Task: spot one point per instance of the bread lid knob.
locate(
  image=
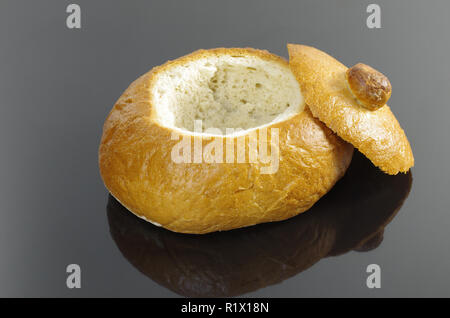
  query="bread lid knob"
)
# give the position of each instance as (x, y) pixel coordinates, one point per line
(371, 88)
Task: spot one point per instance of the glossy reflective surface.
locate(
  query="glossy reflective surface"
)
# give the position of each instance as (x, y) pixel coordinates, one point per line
(58, 85)
(352, 216)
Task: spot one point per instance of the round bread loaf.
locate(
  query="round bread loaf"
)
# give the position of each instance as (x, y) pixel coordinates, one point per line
(216, 140)
(352, 112)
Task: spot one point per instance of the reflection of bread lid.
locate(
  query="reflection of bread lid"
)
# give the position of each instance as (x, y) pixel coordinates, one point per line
(239, 261)
(376, 133)
(135, 152)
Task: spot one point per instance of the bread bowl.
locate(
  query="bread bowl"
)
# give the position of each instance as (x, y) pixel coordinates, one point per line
(358, 115)
(225, 88)
(352, 216)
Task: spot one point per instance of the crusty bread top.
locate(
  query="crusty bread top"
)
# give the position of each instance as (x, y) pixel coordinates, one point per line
(376, 133)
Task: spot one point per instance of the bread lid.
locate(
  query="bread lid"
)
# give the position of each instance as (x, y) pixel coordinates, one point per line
(352, 103)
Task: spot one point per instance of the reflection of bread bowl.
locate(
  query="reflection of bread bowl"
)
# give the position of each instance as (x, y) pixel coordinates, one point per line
(352, 216)
(351, 103)
(225, 88)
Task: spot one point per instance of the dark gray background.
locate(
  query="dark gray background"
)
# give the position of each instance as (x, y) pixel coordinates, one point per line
(57, 86)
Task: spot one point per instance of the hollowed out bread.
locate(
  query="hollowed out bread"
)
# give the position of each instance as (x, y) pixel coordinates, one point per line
(376, 133)
(225, 88)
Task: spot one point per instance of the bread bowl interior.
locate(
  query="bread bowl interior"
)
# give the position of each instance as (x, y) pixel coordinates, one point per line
(229, 94)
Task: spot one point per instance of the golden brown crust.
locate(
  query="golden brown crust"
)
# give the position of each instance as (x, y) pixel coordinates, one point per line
(377, 134)
(136, 166)
(371, 88)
